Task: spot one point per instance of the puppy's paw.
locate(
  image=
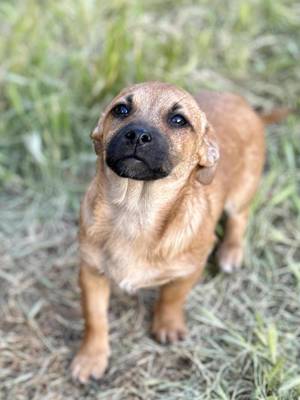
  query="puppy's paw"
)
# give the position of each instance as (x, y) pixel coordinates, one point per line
(230, 257)
(168, 331)
(89, 365)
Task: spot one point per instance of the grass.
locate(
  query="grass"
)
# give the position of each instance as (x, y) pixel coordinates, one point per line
(61, 61)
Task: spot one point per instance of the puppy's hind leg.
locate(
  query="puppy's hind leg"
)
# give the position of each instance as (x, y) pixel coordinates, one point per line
(231, 251)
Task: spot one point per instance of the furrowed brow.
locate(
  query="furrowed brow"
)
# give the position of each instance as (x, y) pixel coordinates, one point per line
(176, 106)
(129, 99)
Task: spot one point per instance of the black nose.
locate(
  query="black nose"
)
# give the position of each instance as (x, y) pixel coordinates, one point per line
(138, 137)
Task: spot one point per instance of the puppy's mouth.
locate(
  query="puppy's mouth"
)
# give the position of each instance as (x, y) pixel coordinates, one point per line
(135, 157)
(139, 152)
(137, 168)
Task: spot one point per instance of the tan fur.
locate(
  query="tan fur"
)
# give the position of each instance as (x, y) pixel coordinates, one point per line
(141, 234)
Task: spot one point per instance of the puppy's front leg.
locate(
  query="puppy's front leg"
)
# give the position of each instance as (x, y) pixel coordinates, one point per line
(168, 321)
(92, 357)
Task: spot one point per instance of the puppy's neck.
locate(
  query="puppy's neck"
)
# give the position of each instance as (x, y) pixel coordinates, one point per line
(142, 205)
(124, 192)
(133, 194)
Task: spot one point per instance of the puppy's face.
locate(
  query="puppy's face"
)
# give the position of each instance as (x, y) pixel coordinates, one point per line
(150, 131)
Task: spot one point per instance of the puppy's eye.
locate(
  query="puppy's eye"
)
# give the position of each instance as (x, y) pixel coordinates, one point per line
(177, 120)
(120, 110)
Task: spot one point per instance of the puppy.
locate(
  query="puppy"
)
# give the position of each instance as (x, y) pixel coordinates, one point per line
(168, 165)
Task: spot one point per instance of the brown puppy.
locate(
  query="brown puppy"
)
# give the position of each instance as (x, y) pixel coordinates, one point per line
(168, 165)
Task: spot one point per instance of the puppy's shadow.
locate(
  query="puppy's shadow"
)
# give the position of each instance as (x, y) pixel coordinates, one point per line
(212, 268)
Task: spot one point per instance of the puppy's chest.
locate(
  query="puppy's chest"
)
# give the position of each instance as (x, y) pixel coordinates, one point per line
(132, 270)
(130, 239)
(132, 225)
(129, 254)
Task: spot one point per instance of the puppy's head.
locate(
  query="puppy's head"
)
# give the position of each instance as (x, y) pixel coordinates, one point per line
(153, 130)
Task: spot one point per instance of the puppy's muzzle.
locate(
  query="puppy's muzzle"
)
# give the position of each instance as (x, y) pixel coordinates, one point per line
(139, 151)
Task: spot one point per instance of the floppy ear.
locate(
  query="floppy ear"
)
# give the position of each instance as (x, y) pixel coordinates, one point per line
(208, 156)
(96, 136)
